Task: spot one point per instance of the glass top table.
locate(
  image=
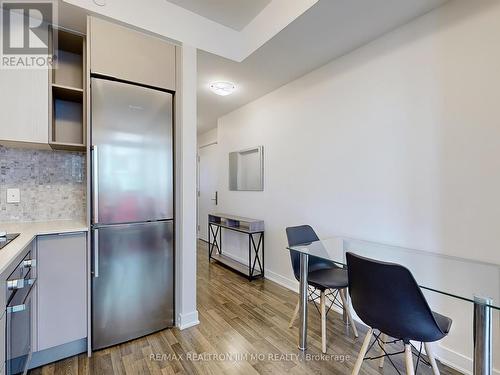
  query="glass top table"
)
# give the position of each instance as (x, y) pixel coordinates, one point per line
(464, 279)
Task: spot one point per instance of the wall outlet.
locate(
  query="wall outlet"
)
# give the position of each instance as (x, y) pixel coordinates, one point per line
(13, 196)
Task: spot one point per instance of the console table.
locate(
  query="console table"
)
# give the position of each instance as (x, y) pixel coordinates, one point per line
(253, 228)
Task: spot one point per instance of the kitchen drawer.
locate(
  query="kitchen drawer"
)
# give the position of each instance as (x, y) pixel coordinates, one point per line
(62, 289)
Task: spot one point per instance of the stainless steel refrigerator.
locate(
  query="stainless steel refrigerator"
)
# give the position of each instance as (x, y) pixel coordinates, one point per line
(132, 211)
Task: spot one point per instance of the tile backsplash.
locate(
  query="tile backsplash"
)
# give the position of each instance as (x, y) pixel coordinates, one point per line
(52, 184)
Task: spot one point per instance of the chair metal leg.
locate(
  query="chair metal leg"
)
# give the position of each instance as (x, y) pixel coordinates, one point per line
(432, 360)
(409, 360)
(294, 316)
(383, 337)
(322, 304)
(347, 309)
(362, 352)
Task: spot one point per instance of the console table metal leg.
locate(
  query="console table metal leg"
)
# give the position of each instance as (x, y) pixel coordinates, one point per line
(209, 247)
(304, 270)
(219, 244)
(482, 336)
(250, 257)
(262, 252)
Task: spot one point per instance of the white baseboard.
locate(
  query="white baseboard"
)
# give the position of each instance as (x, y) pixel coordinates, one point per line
(236, 258)
(293, 285)
(188, 320)
(455, 360)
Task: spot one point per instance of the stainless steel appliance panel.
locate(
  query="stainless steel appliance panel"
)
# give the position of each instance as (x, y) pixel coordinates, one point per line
(19, 333)
(20, 286)
(133, 281)
(132, 157)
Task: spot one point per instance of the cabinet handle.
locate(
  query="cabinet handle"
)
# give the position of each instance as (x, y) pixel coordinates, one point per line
(15, 284)
(96, 253)
(95, 176)
(19, 283)
(29, 263)
(16, 309)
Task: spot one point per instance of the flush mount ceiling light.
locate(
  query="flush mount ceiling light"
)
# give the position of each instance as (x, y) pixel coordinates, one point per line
(222, 88)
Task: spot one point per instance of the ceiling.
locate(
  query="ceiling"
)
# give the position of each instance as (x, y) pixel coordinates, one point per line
(235, 14)
(328, 30)
(166, 19)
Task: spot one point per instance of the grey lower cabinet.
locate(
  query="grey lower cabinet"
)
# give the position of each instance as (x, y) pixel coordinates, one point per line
(61, 301)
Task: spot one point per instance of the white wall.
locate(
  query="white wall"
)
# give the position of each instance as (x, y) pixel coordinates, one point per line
(397, 142)
(207, 138)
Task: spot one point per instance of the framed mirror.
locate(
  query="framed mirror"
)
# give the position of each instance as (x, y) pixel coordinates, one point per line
(246, 169)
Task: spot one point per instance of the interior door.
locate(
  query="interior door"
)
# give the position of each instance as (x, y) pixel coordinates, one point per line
(207, 196)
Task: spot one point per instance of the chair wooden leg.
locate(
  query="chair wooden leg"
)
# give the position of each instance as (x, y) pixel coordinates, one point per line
(362, 352)
(294, 316)
(432, 360)
(323, 321)
(348, 310)
(383, 337)
(409, 360)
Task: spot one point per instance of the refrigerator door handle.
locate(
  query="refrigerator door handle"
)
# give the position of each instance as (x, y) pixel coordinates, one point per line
(95, 176)
(96, 253)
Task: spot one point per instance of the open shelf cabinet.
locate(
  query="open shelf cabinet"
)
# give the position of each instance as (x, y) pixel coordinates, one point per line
(67, 92)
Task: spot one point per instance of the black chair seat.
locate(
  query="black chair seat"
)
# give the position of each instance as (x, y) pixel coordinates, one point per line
(330, 278)
(443, 322)
(387, 297)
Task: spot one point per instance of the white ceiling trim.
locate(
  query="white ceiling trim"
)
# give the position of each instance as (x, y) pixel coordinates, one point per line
(277, 15)
(174, 22)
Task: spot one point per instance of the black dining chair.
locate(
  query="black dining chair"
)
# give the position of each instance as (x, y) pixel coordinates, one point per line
(388, 299)
(322, 276)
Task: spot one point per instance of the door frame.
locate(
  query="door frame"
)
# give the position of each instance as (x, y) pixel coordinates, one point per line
(213, 143)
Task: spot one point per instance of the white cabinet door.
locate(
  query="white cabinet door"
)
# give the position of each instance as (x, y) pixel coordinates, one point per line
(130, 55)
(24, 105)
(62, 289)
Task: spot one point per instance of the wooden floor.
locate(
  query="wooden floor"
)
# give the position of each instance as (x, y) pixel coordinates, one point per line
(243, 330)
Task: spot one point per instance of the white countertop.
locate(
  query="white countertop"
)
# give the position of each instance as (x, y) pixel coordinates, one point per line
(29, 230)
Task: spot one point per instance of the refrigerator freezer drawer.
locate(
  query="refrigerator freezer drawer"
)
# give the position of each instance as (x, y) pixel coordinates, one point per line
(133, 281)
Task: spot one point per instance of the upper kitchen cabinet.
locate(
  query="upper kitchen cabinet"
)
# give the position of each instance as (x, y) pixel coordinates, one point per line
(24, 113)
(67, 92)
(129, 55)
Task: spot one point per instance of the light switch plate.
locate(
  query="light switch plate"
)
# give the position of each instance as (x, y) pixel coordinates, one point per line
(13, 196)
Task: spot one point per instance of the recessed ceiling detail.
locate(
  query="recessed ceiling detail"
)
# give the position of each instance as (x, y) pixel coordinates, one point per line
(235, 14)
(325, 32)
(260, 21)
